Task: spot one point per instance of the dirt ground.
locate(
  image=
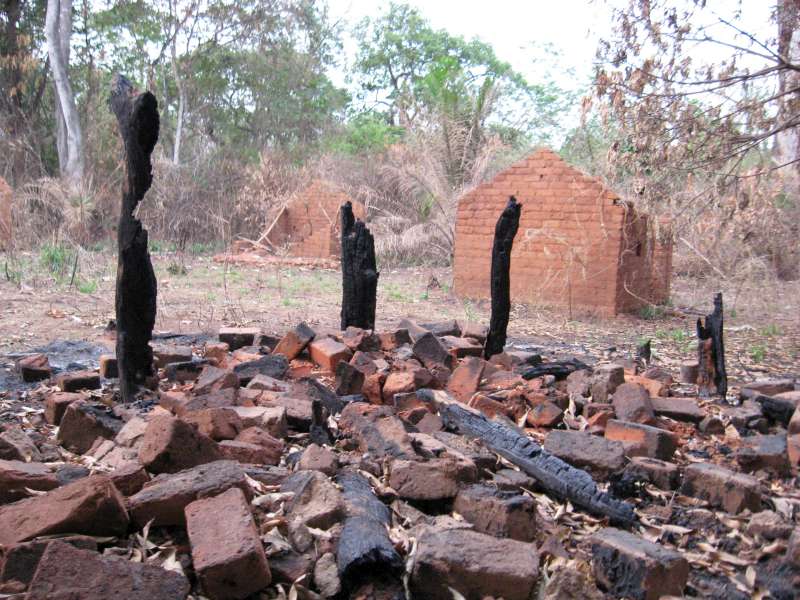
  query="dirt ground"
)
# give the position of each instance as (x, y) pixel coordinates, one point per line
(36, 306)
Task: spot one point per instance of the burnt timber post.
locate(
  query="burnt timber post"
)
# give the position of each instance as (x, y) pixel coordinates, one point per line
(711, 352)
(504, 232)
(359, 272)
(135, 302)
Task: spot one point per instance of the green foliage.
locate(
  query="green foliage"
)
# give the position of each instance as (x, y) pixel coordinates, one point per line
(771, 330)
(651, 312)
(87, 286)
(366, 133)
(56, 258)
(176, 268)
(757, 352)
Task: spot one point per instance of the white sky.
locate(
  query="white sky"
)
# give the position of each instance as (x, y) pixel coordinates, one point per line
(510, 26)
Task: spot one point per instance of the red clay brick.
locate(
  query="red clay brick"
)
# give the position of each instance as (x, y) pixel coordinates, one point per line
(227, 553)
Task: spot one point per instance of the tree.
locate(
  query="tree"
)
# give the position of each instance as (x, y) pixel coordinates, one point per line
(692, 132)
(58, 31)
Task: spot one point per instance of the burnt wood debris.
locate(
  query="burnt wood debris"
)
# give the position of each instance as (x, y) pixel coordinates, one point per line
(504, 232)
(711, 353)
(136, 288)
(359, 272)
(552, 473)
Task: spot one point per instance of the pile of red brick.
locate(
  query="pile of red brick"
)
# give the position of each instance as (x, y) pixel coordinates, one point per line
(224, 482)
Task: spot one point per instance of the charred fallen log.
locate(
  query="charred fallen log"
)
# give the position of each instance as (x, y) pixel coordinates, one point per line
(359, 272)
(553, 474)
(365, 550)
(711, 353)
(504, 232)
(560, 369)
(136, 289)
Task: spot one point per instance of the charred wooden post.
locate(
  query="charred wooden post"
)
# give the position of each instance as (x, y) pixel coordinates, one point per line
(365, 553)
(359, 272)
(138, 121)
(711, 353)
(553, 474)
(559, 369)
(504, 232)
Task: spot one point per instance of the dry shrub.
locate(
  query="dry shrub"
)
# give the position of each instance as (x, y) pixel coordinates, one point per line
(749, 233)
(411, 190)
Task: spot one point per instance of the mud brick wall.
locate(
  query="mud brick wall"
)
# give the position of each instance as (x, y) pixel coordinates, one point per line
(577, 248)
(6, 198)
(310, 222)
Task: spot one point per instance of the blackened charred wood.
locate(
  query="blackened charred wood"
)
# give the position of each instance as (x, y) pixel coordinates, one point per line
(319, 432)
(359, 272)
(779, 410)
(136, 289)
(365, 551)
(560, 369)
(644, 353)
(553, 474)
(711, 353)
(504, 232)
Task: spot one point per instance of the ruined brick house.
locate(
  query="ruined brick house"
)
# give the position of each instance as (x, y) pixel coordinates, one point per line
(308, 225)
(579, 246)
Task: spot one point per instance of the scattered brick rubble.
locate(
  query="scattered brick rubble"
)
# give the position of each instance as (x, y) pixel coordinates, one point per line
(325, 467)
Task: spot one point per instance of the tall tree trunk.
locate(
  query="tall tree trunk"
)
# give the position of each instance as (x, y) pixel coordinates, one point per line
(787, 146)
(58, 29)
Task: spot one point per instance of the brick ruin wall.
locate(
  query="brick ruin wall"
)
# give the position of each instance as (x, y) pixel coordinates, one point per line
(576, 245)
(310, 223)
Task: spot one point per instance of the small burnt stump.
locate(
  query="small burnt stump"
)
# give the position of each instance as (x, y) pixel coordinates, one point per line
(138, 121)
(359, 272)
(504, 232)
(711, 353)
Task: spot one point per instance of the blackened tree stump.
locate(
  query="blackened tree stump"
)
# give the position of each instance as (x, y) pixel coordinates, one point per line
(359, 272)
(711, 353)
(138, 121)
(504, 232)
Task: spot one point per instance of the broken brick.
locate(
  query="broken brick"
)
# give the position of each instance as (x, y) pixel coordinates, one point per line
(498, 513)
(397, 382)
(212, 379)
(76, 381)
(317, 502)
(734, 492)
(460, 347)
(89, 506)
(227, 553)
(431, 352)
(629, 566)
(164, 498)
(349, 379)
(65, 571)
(217, 423)
(216, 353)
(631, 403)
(767, 387)
(56, 403)
(328, 353)
(16, 476)
(83, 423)
(295, 341)
(466, 378)
(680, 409)
(597, 455)
(434, 479)
(642, 440)
(165, 354)
(317, 458)
(35, 367)
(261, 437)
(605, 380)
(272, 365)
(474, 564)
(16, 445)
(662, 474)
(245, 452)
(764, 452)
(391, 340)
(544, 414)
(18, 562)
(129, 478)
(238, 337)
(170, 445)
